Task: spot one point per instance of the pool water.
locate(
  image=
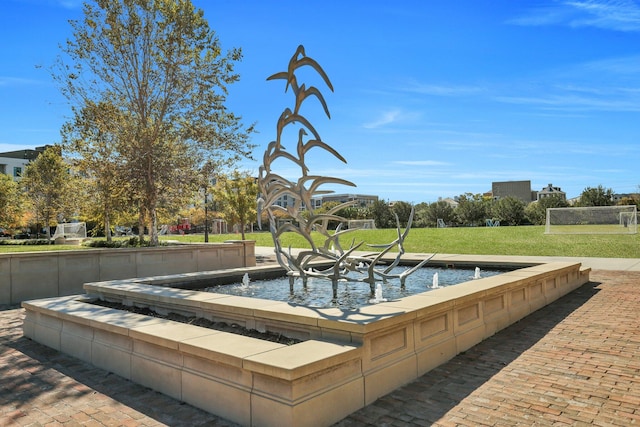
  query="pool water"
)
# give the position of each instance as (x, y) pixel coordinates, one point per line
(351, 295)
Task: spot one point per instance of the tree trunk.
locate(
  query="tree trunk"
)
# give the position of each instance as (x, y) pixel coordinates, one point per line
(153, 228)
(107, 227)
(141, 225)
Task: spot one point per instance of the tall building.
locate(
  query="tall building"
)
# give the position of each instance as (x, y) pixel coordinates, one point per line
(518, 189)
(362, 200)
(12, 163)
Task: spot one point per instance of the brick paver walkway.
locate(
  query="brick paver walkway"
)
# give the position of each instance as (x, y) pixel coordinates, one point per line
(575, 362)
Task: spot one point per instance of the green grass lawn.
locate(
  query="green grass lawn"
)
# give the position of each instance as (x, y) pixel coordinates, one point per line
(12, 248)
(523, 240)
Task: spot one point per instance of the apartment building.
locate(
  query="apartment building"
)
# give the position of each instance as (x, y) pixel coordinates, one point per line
(12, 163)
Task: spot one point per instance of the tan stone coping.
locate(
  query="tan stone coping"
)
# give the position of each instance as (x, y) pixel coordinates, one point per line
(252, 354)
(349, 359)
(363, 320)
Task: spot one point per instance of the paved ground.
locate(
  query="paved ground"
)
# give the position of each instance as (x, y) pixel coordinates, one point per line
(574, 362)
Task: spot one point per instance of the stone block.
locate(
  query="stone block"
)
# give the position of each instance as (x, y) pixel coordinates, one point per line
(216, 370)
(75, 269)
(382, 348)
(323, 410)
(536, 296)
(387, 378)
(76, 340)
(435, 355)
(29, 324)
(118, 265)
(293, 391)
(112, 352)
(161, 261)
(46, 330)
(217, 397)
(157, 368)
(302, 359)
(33, 276)
(167, 334)
(550, 289)
(518, 304)
(5, 280)
(433, 329)
(226, 348)
(495, 314)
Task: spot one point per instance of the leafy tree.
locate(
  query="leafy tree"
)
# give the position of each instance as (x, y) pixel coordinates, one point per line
(162, 68)
(421, 212)
(47, 183)
(472, 209)
(92, 137)
(236, 196)
(536, 212)
(508, 210)
(598, 196)
(328, 206)
(351, 212)
(10, 202)
(429, 214)
(630, 200)
(403, 210)
(381, 214)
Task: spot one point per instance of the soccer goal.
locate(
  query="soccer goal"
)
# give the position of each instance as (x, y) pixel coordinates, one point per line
(592, 220)
(71, 230)
(365, 224)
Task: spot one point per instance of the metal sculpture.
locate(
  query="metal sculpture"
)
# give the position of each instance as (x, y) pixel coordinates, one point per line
(344, 265)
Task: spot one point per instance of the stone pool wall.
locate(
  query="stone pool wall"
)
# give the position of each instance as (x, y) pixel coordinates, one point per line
(348, 358)
(30, 275)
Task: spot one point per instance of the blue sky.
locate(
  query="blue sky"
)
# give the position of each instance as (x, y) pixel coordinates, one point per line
(431, 98)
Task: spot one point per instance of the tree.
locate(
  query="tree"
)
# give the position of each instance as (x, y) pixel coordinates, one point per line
(536, 212)
(403, 210)
(508, 210)
(472, 209)
(381, 214)
(429, 214)
(93, 137)
(10, 201)
(160, 65)
(630, 200)
(598, 196)
(236, 196)
(325, 209)
(46, 181)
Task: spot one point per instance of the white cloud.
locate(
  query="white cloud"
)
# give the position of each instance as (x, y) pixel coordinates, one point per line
(629, 65)
(421, 163)
(616, 15)
(570, 102)
(385, 118)
(16, 81)
(70, 4)
(442, 90)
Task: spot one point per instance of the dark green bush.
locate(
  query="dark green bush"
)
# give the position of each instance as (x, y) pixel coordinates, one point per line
(24, 242)
(132, 242)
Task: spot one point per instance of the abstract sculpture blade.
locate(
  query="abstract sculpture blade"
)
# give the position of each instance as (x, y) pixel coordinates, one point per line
(344, 264)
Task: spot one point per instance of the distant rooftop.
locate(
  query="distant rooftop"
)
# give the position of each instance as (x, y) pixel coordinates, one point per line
(24, 154)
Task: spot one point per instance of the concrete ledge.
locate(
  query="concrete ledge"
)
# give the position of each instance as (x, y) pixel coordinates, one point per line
(349, 358)
(25, 276)
(183, 360)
